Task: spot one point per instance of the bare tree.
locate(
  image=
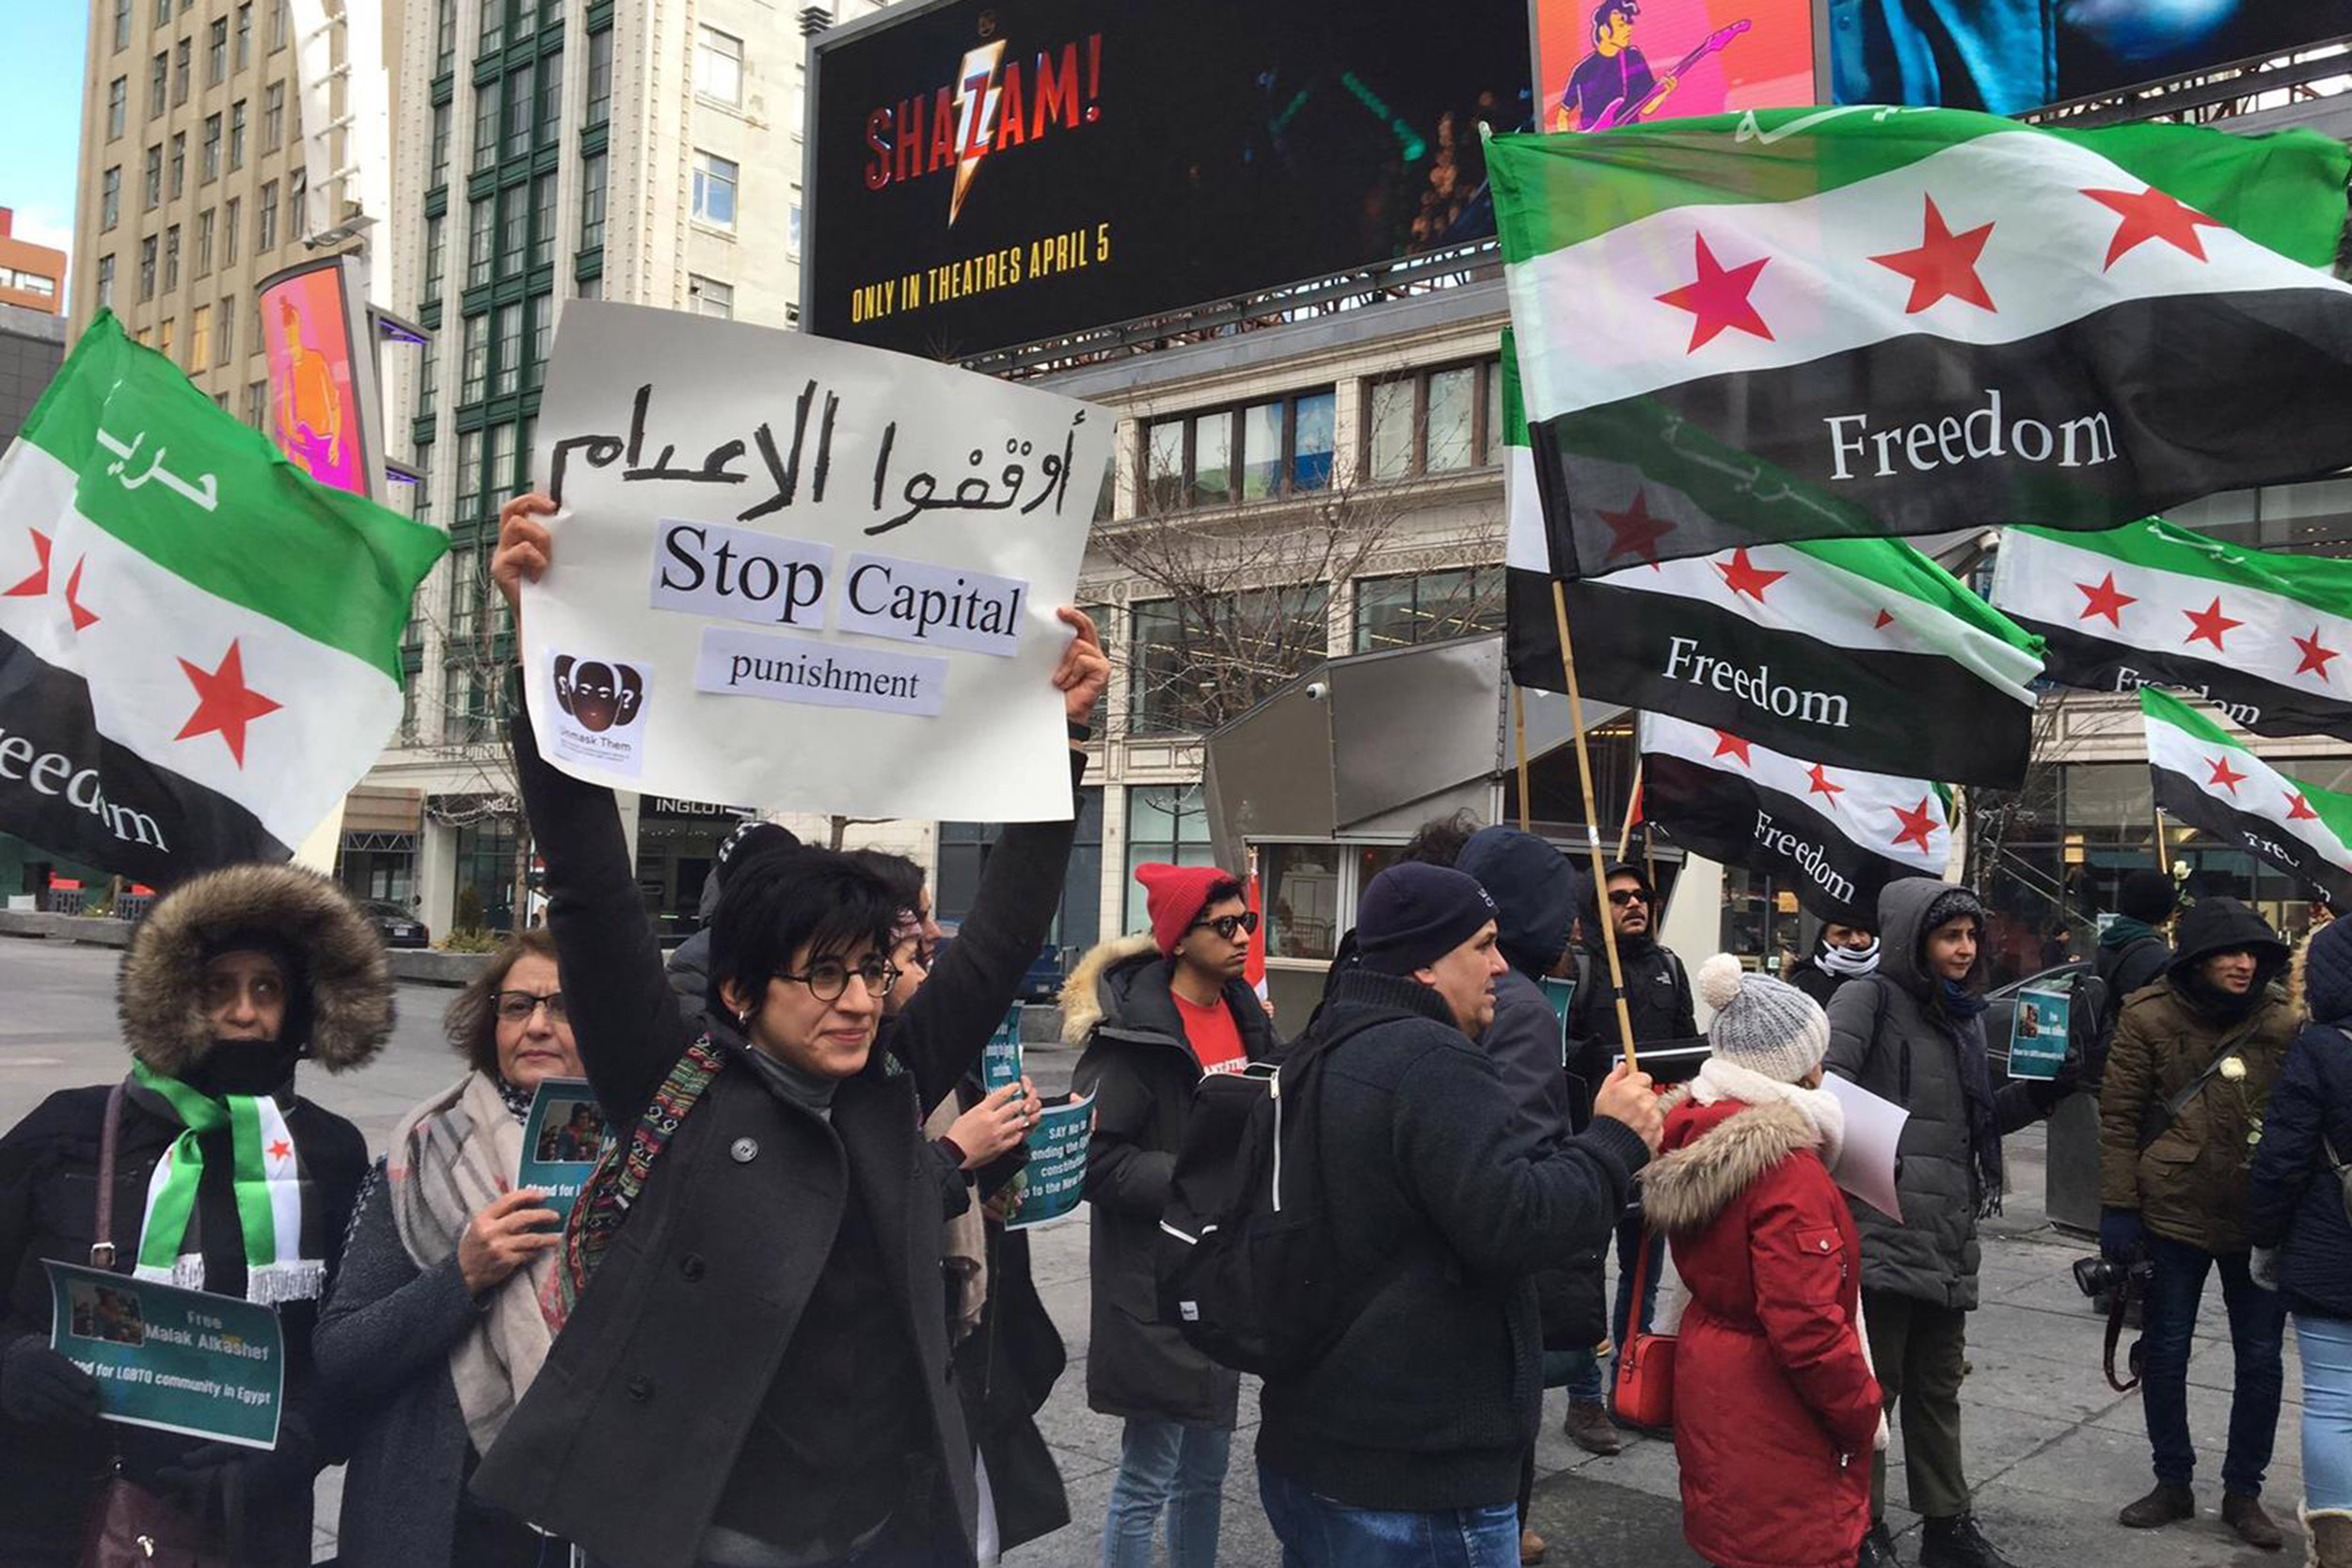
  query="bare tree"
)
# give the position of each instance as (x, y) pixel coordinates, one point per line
(468, 728)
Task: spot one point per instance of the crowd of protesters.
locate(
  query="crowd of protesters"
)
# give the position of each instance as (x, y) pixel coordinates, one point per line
(787, 1325)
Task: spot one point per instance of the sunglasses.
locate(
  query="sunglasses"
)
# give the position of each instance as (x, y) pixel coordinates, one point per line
(1228, 925)
(1621, 896)
(516, 1007)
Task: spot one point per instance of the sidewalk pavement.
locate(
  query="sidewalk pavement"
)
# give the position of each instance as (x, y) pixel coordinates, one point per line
(2052, 1450)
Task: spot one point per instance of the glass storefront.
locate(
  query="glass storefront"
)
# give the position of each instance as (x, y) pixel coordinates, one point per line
(678, 843)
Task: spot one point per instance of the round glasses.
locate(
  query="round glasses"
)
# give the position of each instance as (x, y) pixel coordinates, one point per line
(827, 978)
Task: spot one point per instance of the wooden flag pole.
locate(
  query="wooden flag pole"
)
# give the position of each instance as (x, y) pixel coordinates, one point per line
(1632, 810)
(2164, 851)
(1519, 724)
(1592, 823)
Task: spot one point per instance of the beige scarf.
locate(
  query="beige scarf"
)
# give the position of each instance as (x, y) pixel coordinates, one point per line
(453, 1155)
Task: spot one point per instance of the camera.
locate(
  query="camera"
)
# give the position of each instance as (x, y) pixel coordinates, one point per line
(2103, 1276)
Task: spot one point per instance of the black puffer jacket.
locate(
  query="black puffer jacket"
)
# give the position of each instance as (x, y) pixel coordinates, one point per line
(2298, 1202)
(1142, 1070)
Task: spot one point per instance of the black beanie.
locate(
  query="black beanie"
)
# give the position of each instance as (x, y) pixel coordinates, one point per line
(1413, 914)
(2146, 895)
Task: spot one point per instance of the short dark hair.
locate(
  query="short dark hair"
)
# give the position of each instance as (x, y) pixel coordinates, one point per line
(1219, 891)
(783, 899)
(1440, 839)
(1607, 9)
(900, 875)
(471, 1023)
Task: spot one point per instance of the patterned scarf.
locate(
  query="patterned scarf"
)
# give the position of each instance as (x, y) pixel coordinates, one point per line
(267, 1181)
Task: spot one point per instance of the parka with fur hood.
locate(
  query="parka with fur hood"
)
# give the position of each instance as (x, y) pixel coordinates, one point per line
(1776, 1411)
(339, 1013)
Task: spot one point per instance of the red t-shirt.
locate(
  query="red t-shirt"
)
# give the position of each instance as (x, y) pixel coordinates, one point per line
(1215, 1037)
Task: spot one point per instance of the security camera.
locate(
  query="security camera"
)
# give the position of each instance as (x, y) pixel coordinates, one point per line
(1317, 690)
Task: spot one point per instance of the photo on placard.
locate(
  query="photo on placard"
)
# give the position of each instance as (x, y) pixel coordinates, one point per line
(571, 1135)
(104, 1313)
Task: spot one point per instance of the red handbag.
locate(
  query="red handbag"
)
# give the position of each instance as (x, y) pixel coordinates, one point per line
(1646, 1362)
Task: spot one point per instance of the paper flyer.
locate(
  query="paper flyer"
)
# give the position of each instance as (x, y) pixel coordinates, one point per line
(1000, 1062)
(1560, 993)
(1050, 1184)
(1874, 1131)
(177, 1360)
(562, 1138)
(2037, 1034)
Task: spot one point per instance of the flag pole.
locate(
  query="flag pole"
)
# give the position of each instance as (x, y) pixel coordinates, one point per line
(2164, 851)
(1632, 810)
(1592, 823)
(1519, 724)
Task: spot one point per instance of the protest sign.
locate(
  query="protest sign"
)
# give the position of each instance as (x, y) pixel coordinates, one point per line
(1867, 1163)
(176, 1360)
(803, 573)
(562, 1138)
(1050, 1184)
(2037, 1034)
(1000, 1060)
(1560, 993)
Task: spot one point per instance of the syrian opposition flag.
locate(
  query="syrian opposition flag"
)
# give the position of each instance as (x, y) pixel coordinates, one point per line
(1811, 323)
(2208, 779)
(199, 646)
(1860, 652)
(2261, 635)
(1835, 835)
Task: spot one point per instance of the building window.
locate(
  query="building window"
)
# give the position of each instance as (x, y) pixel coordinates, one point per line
(204, 243)
(444, 37)
(106, 282)
(440, 144)
(551, 97)
(1252, 452)
(257, 405)
(965, 849)
(543, 219)
(599, 77)
(110, 199)
(514, 229)
(273, 118)
(525, 21)
(486, 849)
(165, 332)
(519, 113)
(162, 13)
(481, 240)
(1303, 919)
(707, 296)
(146, 269)
(503, 472)
(216, 53)
(158, 73)
(278, 25)
(792, 226)
(228, 223)
(591, 205)
(435, 230)
(1167, 824)
(1191, 666)
(469, 478)
(154, 180)
(1435, 421)
(117, 106)
(265, 220)
(123, 24)
(1427, 606)
(236, 135)
(541, 312)
(297, 221)
(474, 379)
(227, 349)
(244, 35)
(180, 53)
(428, 375)
(171, 258)
(506, 368)
(714, 190)
(199, 337)
(718, 66)
(493, 25)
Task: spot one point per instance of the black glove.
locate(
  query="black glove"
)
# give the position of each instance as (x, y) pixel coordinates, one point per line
(40, 1387)
(199, 1481)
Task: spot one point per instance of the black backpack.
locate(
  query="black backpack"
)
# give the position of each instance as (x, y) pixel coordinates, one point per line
(1247, 1264)
(2095, 1009)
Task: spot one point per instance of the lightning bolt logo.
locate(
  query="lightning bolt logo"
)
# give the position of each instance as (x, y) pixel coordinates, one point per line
(977, 97)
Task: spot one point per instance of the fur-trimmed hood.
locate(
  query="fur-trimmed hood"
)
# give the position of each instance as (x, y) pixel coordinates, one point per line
(160, 990)
(1083, 1004)
(1684, 1189)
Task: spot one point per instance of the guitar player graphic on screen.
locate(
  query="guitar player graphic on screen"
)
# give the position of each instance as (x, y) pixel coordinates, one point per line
(1613, 86)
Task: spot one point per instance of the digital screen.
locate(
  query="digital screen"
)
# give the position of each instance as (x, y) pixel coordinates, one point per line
(314, 406)
(985, 174)
(2009, 57)
(1616, 63)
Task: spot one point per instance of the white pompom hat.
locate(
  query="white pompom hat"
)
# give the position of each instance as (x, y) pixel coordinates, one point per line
(1760, 1024)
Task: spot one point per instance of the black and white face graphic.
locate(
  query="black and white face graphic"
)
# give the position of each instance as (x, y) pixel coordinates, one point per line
(601, 696)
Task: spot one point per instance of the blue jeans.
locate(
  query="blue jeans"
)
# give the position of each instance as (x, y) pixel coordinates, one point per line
(2258, 1326)
(2326, 1347)
(1166, 1465)
(1316, 1532)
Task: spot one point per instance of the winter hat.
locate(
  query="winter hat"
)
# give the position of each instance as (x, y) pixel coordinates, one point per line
(1413, 915)
(1951, 904)
(1174, 895)
(2146, 895)
(748, 839)
(1762, 1024)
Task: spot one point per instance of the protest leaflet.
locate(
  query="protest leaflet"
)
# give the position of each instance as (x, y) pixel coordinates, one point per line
(177, 1360)
(1561, 994)
(1000, 1060)
(562, 1138)
(1048, 1186)
(2037, 1034)
(804, 573)
(1867, 1161)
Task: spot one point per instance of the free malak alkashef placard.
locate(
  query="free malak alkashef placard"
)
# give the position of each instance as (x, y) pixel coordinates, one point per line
(177, 1360)
(805, 573)
(562, 1138)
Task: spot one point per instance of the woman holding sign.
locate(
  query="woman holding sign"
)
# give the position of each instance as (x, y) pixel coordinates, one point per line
(759, 1373)
(434, 1329)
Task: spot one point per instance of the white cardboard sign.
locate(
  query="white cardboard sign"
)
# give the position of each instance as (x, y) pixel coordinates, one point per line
(803, 573)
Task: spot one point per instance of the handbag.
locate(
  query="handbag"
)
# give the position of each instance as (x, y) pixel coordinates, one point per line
(128, 1526)
(1646, 1365)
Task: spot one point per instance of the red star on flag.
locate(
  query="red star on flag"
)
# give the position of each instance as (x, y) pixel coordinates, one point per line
(1918, 826)
(2106, 600)
(38, 584)
(1730, 745)
(2151, 214)
(2299, 810)
(1943, 265)
(1718, 299)
(1822, 786)
(1743, 576)
(280, 1150)
(1883, 622)
(1635, 531)
(2224, 775)
(2210, 624)
(225, 705)
(84, 617)
(2314, 656)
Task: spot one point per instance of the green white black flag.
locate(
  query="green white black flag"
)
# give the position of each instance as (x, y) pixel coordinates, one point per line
(2208, 778)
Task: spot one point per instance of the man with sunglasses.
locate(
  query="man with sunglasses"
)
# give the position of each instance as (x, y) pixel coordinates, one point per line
(1156, 1012)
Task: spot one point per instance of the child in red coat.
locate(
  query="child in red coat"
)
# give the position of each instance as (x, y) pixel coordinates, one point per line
(1776, 1411)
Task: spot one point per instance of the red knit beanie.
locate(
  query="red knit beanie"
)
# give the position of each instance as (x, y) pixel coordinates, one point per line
(1174, 895)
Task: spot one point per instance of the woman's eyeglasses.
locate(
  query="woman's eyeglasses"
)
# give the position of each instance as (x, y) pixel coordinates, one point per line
(827, 978)
(516, 1007)
(1230, 926)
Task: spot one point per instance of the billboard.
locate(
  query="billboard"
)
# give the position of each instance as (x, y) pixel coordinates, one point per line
(989, 173)
(322, 367)
(2010, 58)
(1603, 63)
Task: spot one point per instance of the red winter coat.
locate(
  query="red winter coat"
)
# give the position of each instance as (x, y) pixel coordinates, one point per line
(1775, 1409)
